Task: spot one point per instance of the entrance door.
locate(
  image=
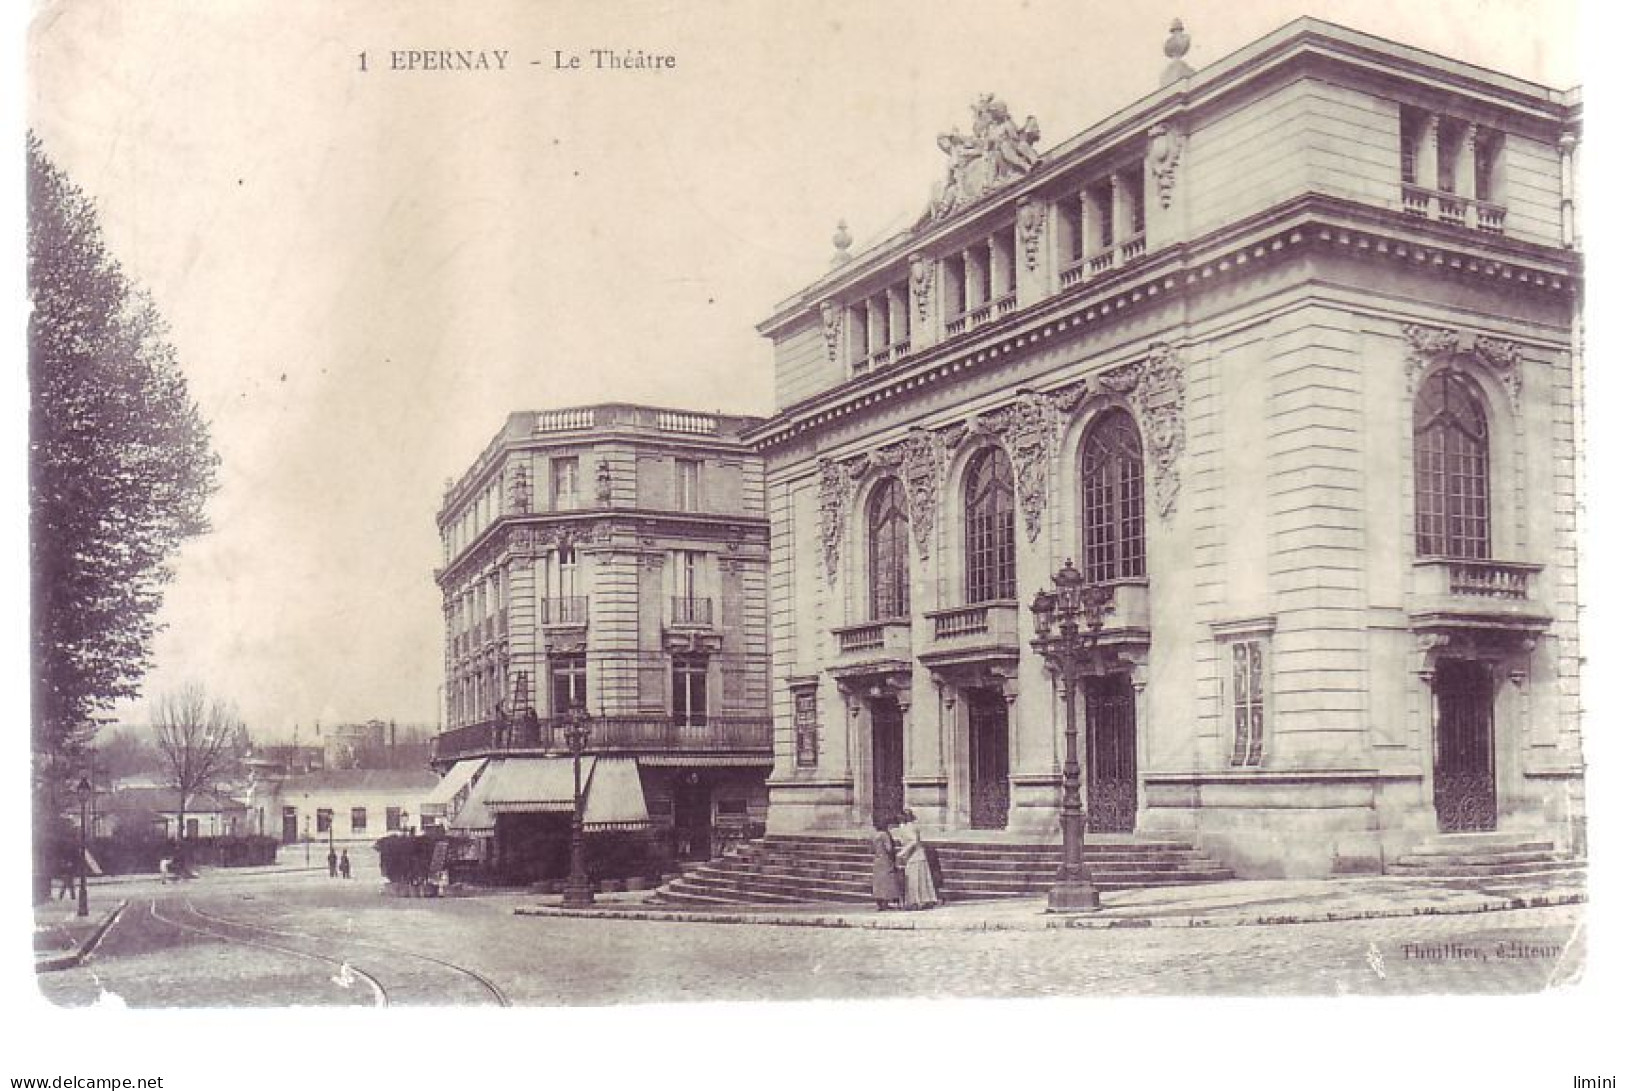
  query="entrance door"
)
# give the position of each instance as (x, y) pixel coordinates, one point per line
(989, 760)
(691, 817)
(1464, 746)
(1112, 792)
(886, 750)
(290, 825)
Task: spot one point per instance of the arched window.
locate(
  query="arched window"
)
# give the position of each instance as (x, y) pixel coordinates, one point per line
(888, 552)
(990, 529)
(1452, 469)
(1113, 500)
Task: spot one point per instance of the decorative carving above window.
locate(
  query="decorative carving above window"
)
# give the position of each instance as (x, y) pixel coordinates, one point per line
(997, 152)
(1156, 389)
(1027, 428)
(1427, 345)
(1165, 144)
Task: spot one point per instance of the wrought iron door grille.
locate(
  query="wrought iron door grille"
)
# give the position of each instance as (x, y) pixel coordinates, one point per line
(1464, 747)
(1109, 754)
(990, 763)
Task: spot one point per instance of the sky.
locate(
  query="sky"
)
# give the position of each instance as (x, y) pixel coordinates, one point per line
(366, 271)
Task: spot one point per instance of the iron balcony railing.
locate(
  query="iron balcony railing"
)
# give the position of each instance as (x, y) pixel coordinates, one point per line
(564, 610)
(687, 610)
(654, 734)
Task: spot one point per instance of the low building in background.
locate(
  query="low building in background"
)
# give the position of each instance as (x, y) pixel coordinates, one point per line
(338, 806)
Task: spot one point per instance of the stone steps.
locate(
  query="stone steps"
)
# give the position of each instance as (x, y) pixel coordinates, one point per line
(783, 869)
(1484, 856)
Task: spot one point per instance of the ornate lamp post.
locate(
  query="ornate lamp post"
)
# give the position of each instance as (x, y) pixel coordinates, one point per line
(85, 792)
(1066, 647)
(578, 888)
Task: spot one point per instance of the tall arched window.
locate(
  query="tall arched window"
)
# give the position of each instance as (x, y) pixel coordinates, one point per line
(888, 552)
(1452, 469)
(1113, 500)
(990, 529)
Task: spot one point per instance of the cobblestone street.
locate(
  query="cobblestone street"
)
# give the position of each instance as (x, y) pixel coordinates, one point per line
(301, 939)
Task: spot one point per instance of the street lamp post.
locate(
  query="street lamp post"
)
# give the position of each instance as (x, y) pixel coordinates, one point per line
(85, 792)
(1066, 646)
(578, 888)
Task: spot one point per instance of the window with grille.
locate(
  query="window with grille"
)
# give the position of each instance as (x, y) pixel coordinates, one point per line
(990, 529)
(688, 689)
(324, 820)
(1113, 500)
(1452, 469)
(569, 678)
(392, 818)
(888, 552)
(806, 726)
(1247, 702)
(358, 820)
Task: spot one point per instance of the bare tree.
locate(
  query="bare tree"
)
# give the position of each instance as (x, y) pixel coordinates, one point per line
(197, 736)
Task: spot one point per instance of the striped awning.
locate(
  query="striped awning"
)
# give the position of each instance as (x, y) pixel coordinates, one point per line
(612, 790)
(703, 761)
(446, 796)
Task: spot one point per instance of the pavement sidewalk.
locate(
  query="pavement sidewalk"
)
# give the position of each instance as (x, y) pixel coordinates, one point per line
(1226, 904)
(63, 939)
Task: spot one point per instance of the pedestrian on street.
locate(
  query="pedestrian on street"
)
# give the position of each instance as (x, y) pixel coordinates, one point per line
(332, 864)
(919, 892)
(888, 881)
(344, 864)
(70, 873)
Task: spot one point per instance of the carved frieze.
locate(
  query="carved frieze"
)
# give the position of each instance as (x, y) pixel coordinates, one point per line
(923, 461)
(1030, 226)
(1454, 348)
(919, 279)
(834, 495)
(1165, 143)
(997, 152)
(831, 315)
(518, 488)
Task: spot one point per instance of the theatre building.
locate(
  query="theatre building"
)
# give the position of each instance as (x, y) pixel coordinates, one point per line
(1281, 357)
(610, 558)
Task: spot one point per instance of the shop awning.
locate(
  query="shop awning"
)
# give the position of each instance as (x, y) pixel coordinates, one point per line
(443, 799)
(612, 789)
(534, 785)
(615, 797)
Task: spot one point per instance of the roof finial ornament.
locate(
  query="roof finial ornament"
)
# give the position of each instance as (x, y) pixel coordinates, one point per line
(1175, 48)
(843, 244)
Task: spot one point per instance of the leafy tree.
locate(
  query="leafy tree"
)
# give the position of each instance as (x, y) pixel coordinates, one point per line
(199, 737)
(120, 467)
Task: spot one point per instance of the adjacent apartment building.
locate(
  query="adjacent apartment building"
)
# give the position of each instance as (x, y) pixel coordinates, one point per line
(1282, 356)
(613, 559)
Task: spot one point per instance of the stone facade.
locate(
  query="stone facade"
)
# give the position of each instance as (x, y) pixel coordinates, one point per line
(1269, 269)
(615, 557)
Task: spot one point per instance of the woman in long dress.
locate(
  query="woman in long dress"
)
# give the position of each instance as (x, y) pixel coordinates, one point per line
(888, 882)
(919, 892)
